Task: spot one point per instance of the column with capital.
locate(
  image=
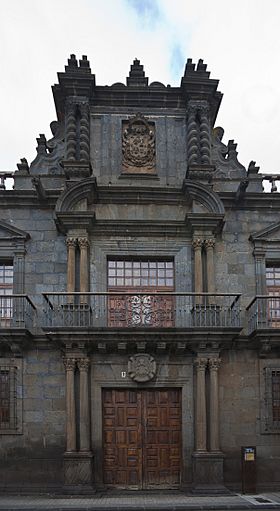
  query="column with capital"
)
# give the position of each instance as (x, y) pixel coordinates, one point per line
(70, 364)
(83, 365)
(198, 279)
(83, 244)
(214, 364)
(200, 409)
(71, 258)
(209, 245)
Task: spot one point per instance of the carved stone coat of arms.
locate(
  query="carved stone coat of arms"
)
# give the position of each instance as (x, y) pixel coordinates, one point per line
(141, 367)
(138, 145)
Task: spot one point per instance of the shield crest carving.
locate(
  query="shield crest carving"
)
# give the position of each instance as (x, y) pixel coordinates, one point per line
(138, 145)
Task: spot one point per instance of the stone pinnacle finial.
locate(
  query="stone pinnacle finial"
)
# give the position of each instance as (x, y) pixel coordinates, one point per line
(137, 75)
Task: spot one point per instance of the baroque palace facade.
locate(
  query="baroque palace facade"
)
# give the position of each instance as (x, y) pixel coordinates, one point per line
(139, 295)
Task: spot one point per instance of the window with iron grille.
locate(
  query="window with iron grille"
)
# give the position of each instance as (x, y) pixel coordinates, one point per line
(6, 288)
(11, 396)
(8, 398)
(133, 276)
(272, 399)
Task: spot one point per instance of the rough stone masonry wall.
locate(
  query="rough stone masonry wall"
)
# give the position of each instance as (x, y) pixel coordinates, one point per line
(35, 456)
(241, 395)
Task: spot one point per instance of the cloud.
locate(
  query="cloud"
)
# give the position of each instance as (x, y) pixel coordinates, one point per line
(177, 61)
(147, 10)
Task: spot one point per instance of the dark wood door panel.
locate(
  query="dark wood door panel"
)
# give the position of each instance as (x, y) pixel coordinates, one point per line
(142, 438)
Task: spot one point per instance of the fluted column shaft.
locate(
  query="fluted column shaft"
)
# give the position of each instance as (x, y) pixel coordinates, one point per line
(214, 364)
(70, 364)
(71, 257)
(200, 410)
(209, 244)
(83, 365)
(198, 279)
(83, 244)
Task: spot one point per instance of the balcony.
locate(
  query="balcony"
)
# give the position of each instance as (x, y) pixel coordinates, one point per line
(139, 310)
(16, 312)
(264, 314)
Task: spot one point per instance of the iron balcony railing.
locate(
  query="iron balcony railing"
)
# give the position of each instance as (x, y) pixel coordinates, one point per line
(16, 311)
(263, 312)
(142, 310)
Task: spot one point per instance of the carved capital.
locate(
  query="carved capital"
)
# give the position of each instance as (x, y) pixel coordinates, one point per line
(83, 242)
(214, 363)
(197, 243)
(70, 242)
(200, 363)
(209, 243)
(69, 363)
(83, 364)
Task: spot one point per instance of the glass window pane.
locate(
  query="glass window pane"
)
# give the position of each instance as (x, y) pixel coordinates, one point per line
(120, 264)
(169, 282)
(112, 282)
(136, 282)
(120, 282)
(111, 264)
(128, 264)
(128, 273)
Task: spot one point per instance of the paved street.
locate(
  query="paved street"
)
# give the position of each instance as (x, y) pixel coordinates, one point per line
(106, 501)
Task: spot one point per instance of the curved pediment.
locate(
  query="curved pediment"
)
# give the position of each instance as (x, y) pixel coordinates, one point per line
(203, 195)
(74, 197)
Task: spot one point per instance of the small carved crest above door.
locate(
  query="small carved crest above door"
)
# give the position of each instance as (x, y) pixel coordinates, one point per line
(138, 146)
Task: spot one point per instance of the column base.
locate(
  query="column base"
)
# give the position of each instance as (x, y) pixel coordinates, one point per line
(208, 473)
(78, 472)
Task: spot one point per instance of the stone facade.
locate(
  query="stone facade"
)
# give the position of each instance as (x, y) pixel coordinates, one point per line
(138, 173)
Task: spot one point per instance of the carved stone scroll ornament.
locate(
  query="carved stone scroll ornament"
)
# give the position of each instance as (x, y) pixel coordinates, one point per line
(138, 145)
(141, 368)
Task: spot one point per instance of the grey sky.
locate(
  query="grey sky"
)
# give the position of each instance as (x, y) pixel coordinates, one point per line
(240, 42)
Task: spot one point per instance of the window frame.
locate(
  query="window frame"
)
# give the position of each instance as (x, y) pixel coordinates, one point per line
(14, 367)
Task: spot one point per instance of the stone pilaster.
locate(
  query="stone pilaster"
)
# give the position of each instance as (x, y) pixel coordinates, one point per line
(198, 278)
(84, 277)
(200, 408)
(214, 364)
(71, 257)
(70, 364)
(83, 365)
(210, 244)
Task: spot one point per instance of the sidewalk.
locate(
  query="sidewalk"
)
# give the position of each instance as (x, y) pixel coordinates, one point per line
(147, 502)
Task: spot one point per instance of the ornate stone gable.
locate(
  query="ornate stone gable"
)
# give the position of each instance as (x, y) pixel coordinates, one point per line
(138, 146)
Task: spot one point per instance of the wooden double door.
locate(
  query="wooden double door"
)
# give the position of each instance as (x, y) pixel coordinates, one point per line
(142, 438)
